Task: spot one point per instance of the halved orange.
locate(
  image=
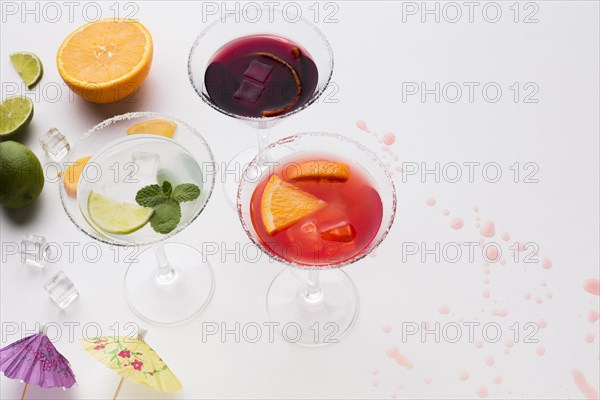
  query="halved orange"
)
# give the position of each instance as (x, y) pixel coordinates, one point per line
(283, 204)
(160, 127)
(72, 174)
(318, 169)
(106, 60)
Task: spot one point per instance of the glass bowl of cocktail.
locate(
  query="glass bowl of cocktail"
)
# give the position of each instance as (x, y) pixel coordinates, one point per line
(137, 180)
(259, 66)
(325, 201)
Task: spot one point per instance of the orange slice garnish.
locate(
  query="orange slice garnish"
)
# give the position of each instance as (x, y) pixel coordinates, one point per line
(72, 174)
(321, 169)
(160, 127)
(284, 204)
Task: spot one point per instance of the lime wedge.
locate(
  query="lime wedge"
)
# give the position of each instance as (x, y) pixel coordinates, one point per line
(15, 114)
(114, 217)
(29, 66)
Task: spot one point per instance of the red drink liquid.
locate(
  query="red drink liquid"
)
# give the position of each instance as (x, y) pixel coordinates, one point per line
(261, 76)
(345, 227)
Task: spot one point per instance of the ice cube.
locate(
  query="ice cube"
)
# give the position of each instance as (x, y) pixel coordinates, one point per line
(341, 232)
(249, 91)
(258, 71)
(145, 169)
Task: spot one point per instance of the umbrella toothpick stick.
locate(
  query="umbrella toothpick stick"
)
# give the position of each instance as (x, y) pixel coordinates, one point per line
(24, 391)
(118, 389)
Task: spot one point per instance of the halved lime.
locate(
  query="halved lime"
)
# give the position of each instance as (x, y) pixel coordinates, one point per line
(114, 217)
(15, 114)
(29, 66)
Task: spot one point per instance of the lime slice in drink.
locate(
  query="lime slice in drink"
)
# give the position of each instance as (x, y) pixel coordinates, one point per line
(114, 217)
(29, 66)
(15, 114)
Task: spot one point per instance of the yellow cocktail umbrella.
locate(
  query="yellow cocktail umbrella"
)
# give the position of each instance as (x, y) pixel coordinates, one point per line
(134, 360)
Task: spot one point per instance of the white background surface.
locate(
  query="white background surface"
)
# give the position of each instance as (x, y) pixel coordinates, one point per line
(374, 53)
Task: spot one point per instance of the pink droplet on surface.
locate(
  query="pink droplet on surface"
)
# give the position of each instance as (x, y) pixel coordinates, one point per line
(492, 253)
(527, 296)
(543, 283)
(593, 316)
(549, 295)
(592, 286)
(373, 254)
(589, 337)
(509, 343)
(395, 354)
(387, 328)
(362, 125)
(584, 387)
(489, 361)
(500, 312)
(443, 309)
(502, 262)
(539, 300)
(394, 396)
(546, 263)
(375, 371)
(475, 209)
(399, 168)
(457, 223)
(427, 380)
(389, 138)
(542, 323)
(486, 281)
(400, 386)
(463, 376)
(486, 294)
(540, 351)
(520, 246)
(430, 201)
(505, 236)
(478, 344)
(488, 229)
(445, 213)
(482, 392)
(497, 380)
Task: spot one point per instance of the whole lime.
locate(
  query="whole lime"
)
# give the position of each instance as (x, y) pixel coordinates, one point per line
(21, 175)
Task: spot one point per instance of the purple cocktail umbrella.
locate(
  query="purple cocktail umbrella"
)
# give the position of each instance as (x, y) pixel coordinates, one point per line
(35, 361)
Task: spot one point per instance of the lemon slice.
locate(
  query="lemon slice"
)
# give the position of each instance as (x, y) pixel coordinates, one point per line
(29, 66)
(114, 217)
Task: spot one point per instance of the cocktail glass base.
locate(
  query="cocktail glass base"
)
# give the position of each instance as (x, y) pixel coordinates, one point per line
(180, 299)
(312, 319)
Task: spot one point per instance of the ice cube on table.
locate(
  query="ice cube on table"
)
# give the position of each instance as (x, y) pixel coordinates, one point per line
(34, 250)
(61, 289)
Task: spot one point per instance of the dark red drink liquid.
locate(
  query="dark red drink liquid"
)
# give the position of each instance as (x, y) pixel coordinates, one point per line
(344, 228)
(261, 76)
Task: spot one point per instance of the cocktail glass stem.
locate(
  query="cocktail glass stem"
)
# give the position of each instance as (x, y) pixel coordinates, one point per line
(263, 132)
(313, 292)
(165, 272)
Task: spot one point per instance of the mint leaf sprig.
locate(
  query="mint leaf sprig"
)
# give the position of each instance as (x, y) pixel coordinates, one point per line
(165, 202)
